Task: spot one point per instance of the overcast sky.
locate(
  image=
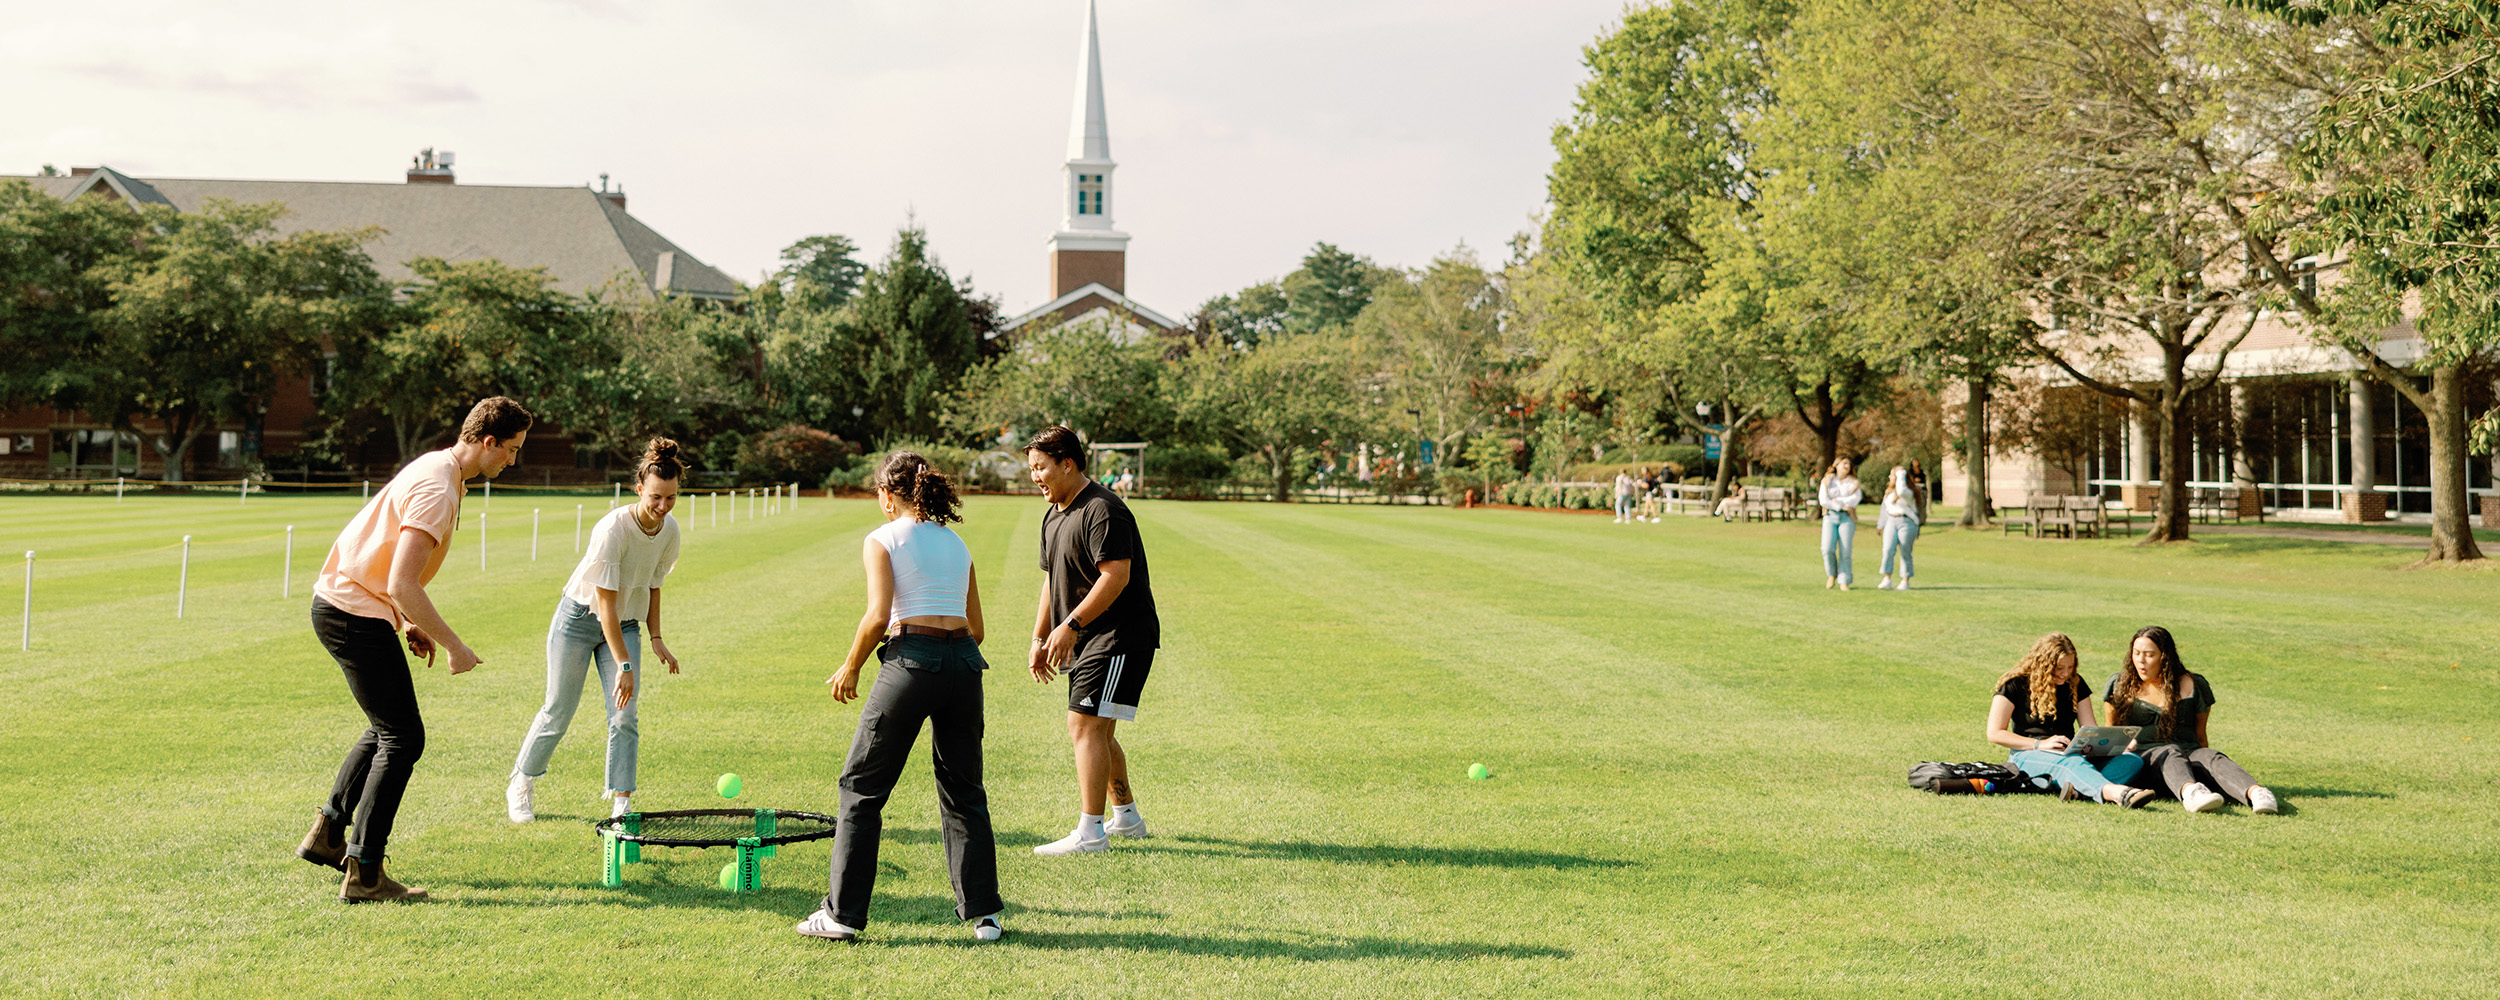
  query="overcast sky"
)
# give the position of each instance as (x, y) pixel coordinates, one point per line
(1244, 131)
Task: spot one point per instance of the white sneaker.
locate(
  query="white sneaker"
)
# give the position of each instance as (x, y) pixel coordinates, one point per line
(820, 924)
(987, 929)
(1903, 585)
(1133, 831)
(1883, 583)
(620, 805)
(2200, 799)
(520, 798)
(1073, 843)
(2262, 801)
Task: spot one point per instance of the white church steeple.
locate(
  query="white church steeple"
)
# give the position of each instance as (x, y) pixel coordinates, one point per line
(1087, 248)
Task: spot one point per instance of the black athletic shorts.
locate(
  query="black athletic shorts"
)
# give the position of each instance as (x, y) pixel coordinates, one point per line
(1106, 683)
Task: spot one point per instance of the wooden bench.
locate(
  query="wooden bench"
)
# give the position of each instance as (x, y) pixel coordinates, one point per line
(2211, 504)
(1767, 502)
(2087, 517)
(2053, 515)
(2028, 522)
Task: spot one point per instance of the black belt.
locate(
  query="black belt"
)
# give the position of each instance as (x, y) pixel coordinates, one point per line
(930, 631)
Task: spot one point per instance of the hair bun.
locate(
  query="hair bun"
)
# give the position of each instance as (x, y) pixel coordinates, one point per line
(661, 447)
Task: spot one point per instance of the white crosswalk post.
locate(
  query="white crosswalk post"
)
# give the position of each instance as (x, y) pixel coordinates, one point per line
(182, 584)
(286, 579)
(26, 616)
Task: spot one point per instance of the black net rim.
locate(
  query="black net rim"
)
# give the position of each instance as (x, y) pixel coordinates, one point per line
(616, 823)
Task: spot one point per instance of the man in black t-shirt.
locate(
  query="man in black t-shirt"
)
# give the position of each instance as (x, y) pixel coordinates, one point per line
(1097, 624)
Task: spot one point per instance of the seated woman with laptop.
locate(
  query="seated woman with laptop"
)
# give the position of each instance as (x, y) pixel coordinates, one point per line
(2170, 706)
(2034, 713)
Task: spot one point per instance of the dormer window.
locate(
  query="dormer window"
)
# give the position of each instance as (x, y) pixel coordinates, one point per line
(1089, 194)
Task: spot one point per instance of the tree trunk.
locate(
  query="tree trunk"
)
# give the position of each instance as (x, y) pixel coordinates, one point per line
(1280, 465)
(2452, 528)
(1728, 428)
(1977, 510)
(2170, 512)
(173, 447)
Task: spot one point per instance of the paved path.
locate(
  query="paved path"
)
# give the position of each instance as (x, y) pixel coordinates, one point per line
(2318, 535)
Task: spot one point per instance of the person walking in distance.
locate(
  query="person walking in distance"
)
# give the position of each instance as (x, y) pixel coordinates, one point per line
(1839, 496)
(1097, 624)
(609, 603)
(371, 589)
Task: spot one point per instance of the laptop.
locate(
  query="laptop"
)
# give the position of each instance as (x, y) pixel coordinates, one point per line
(2103, 741)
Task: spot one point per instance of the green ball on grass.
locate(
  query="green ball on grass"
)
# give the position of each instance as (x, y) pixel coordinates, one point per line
(729, 876)
(1478, 772)
(728, 786)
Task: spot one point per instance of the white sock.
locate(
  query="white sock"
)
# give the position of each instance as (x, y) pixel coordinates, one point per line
(1088, 827)
(1127, 813)
(623, 804)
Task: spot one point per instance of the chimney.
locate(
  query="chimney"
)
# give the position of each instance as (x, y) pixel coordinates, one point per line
(616, 197)
(430, 167)
(81, 171)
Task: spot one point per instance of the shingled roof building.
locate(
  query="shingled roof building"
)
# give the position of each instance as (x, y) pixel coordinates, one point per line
(582, 236)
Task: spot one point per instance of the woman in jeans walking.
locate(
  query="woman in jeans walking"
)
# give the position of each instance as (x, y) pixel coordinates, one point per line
(1840, 495)
(609, 603)
(2157, 692)
(925, 606)
(1905, 508)
(2033, 715)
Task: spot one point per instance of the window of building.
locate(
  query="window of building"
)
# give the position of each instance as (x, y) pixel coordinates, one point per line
(1089, 194)
(2305, 270)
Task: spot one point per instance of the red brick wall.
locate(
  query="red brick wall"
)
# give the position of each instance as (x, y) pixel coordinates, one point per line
(1072, 269)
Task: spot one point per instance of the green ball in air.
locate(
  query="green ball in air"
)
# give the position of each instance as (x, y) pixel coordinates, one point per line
(729, 876)
(728, 786)
(1478, 772)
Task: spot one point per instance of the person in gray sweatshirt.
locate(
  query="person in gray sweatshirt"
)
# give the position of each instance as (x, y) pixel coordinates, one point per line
(1905, 508)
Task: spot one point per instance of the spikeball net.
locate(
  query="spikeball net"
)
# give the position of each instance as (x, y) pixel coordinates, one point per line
(754, 832)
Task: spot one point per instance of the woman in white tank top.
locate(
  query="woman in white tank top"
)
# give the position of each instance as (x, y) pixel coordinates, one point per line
(924, 605)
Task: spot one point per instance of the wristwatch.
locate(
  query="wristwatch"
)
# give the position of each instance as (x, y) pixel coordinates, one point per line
(1073, 624)
(625, 666)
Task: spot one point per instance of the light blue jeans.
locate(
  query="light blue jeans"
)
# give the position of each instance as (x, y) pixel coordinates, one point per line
(574, 645)
(1899, 536)
(2076, 771)
(1840, 537)
(1623, 507)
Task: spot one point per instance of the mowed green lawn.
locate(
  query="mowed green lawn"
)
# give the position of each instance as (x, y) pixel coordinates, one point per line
(1697, 756)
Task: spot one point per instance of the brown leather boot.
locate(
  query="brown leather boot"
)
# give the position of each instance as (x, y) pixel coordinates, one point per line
(365, 883)
(325, 844)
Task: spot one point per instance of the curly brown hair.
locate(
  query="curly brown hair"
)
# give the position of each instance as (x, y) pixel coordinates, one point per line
(911, 479)
(2039, 669)
(660, 460)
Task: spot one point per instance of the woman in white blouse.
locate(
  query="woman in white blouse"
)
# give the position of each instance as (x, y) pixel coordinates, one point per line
(1839, 497)
(611, 601)
(1905, 508)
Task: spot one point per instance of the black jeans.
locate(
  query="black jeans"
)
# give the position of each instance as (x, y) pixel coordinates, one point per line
(937, 680)
(375, 773)
(2205, 764)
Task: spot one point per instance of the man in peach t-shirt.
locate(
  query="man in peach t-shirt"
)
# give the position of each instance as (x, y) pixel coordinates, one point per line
(371, 589)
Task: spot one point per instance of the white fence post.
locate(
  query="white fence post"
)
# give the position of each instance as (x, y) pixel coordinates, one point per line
(26, 617)
(533, 534)
(481, 540)
(368, 493)
(117, 489)
(715, 508)
(243, 493)
(286, 581)
(577, 529)
(490, 497)
(182, 584)
(616, 492)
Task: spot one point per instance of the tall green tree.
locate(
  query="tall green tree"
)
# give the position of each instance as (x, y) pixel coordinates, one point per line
(1085, 375)
(217, 312)
(821, 272)
(1436, 338)
(1278, 400)
(2398, 189)
(466, 330)
(899, 346)
(54, 290)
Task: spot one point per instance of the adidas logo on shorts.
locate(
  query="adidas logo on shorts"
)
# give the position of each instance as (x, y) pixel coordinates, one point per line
(1087, 702)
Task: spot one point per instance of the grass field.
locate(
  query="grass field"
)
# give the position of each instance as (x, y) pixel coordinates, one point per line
(1698, 757)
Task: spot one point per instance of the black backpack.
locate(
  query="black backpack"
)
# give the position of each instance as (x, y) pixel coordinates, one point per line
(1964, 779)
